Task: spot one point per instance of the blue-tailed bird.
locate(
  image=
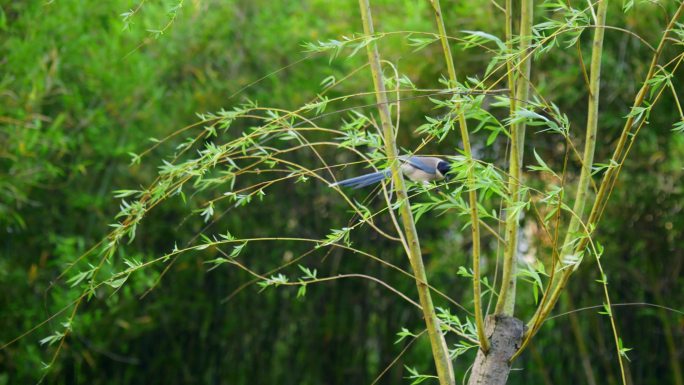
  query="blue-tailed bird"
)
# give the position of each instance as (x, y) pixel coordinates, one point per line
(416, 168)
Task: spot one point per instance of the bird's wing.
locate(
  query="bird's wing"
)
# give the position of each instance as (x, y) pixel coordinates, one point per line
(418, 163)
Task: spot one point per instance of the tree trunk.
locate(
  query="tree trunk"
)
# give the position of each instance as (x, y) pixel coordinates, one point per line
(505, 335)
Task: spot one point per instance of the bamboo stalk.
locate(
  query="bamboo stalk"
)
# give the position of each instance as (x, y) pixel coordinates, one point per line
(439, 349)
(472, 193)
(506, 302)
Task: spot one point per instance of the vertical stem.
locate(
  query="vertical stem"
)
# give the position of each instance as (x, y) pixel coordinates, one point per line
(510, 64)
(606, 183)
(613, 326)
(506, 303)
(558, 283)
(609, 177)
(603, 353)
(472, 193)
(587, 161)
(439, 349)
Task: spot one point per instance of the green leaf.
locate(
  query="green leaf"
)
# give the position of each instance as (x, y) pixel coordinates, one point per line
(403, 334)
(463, 272)
(308, 273)
(542, 165)
(301, 292)
(421, 42)
(606, 310)
(117, 282)
(417, 377)
(623, 350)
(218, 261)
(238, 249)
(328, 82)
(51, 339)
(479, 37)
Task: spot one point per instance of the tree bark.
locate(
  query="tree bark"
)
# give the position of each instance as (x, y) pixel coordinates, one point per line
(505, 336)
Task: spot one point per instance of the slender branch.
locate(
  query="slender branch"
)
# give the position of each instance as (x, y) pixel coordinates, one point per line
(439, 349)
(607, 182)
(398, 357)
(472, 192)
(509, 63)
(506, 303)
(585, 175)
(613, 325)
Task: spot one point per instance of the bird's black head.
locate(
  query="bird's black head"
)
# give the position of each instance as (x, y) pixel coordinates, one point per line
(444, 168)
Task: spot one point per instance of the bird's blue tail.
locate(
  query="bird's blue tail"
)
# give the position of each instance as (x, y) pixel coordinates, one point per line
(363, 180)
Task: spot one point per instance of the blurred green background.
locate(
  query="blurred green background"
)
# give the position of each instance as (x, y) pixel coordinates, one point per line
(80, 89)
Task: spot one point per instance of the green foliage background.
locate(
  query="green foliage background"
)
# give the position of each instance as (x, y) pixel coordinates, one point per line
(79, 92)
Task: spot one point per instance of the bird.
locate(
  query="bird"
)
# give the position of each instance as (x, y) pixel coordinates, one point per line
(416, 168)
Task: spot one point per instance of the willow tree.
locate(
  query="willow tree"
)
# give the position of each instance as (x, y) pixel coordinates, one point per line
(492, 196)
